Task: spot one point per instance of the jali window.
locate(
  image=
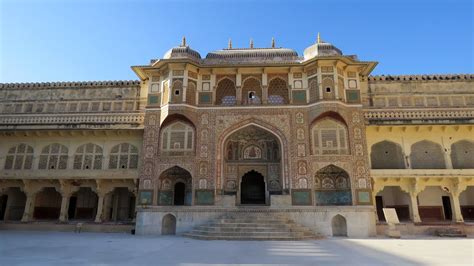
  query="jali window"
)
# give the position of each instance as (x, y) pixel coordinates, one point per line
(19, 157)
(329, 137)
(123, 156)
(177, 137)
(88, 156)
(53, 156)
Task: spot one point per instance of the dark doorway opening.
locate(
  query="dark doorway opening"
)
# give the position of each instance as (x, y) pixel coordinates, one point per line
(252, 190)
(179, 193)
(72, 207)
(3, 206)
(379, 205)
(448, 212)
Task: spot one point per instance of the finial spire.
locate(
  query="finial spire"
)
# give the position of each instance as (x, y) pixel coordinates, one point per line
(230, 44)
(319, 38)
(251, 43)
(273, 42)
(183, 42)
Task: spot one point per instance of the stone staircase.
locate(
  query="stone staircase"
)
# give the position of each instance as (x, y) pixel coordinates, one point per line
(449, 232)
(244, 226)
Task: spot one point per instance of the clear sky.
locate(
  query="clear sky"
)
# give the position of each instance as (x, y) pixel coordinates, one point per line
(79, 40)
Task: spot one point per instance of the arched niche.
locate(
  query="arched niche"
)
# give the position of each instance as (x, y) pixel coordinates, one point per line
(387, 155)
(332, 187)
(175, 182)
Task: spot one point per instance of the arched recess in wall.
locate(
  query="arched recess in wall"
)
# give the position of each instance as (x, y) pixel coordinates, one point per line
(123, 156)
(387, 155)
(168, 224)
(462, 154)
(339, 225)
(427, 154)
(251, 91)
(332, 186)
(177, 91)
(278, 91)
(226, 93)
(177, 136)
(329, 135)
(173, 183)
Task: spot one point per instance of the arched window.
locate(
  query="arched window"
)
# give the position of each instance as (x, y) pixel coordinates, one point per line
(387, 155)
(177, 137)
(53, 156)
(462, 153)
(177, 91)
(427, 155)
(333, 186)
(19, 157)
(329, 136)
(123, 156)
(226, 92)
(251, 91)
(88, 156)
(277, 91)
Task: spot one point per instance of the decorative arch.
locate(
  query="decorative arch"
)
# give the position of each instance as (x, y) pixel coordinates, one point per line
(332, 186)
(19, 157)
(427, 154)
(88, 156)
(251, 91)
(462, 153)
(387, 155)
(243, 124)
(53, 156)
(278, 91)
(329, 135)
(226, 93)
(167, 186)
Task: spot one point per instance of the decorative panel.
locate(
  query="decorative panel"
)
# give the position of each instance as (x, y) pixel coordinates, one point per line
(165, 198)
(204, 197)
(145, 197)
(353, 96)
(324, 198)
(301, 197)
(299, 96)
(205, 98)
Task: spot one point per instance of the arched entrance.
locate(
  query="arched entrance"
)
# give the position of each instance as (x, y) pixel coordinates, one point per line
(179, 193)
(175, 187)
(252, 188)
(339, 226)
(252, 148)
(168, 225)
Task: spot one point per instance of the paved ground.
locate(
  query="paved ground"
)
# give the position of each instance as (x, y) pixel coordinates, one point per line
(55, 248)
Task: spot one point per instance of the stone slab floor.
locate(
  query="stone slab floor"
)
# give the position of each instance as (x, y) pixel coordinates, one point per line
(58, 248)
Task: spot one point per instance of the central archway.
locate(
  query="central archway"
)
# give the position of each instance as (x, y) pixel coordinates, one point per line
(252, 188)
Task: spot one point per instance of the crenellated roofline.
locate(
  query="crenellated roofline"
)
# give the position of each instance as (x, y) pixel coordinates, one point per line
(422, 77)
(68, 84)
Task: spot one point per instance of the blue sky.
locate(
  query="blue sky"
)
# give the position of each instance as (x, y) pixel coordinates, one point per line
(61, 40)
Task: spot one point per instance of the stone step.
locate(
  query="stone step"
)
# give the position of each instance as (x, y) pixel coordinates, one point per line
(248, 234)
(256, 225)
(248, 229)
(249, 220)
(253, 238)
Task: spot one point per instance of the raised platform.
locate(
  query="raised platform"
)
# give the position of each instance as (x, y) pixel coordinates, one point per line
(430, 229)
(360, 220)
(68, 227)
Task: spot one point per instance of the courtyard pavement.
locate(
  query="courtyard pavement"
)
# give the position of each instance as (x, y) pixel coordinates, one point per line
(59, 248)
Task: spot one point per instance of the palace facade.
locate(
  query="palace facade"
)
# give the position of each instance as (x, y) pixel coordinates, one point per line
(314, 138)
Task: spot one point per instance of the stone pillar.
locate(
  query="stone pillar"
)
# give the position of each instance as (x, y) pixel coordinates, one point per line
(264, 94)
(63, 216)
(115, 204)
(100, 207)
(414, 208)
(29, 206)
(457, 217)
(238, 97)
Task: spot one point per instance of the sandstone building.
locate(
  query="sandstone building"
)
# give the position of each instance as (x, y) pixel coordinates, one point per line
(266, 131)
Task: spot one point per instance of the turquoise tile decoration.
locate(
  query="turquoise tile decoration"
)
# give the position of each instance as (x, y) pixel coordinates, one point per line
(301, 197)
(145, 197)
(165, 198)
(204, 197)
(325, 198)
